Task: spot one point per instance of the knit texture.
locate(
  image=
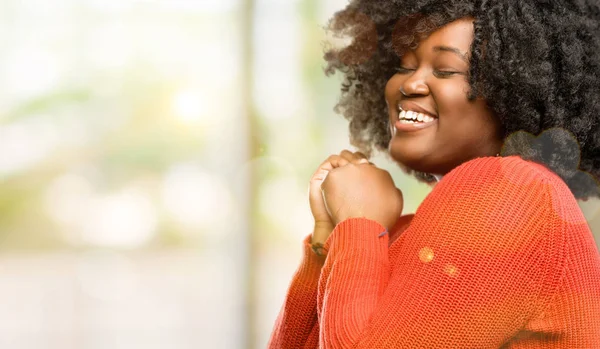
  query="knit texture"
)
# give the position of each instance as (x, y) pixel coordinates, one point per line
(498, 255)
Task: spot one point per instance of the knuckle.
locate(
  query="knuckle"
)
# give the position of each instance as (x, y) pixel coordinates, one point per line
(346, 153)
(384, 173)
(331, 159)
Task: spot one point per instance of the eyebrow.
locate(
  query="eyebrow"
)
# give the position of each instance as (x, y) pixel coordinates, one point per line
(453, 50)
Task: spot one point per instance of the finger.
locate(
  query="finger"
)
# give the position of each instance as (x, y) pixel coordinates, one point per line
(400, 194)
(348, 155)
(332, 162)
(339, 161)
(360, 158)
(329, 164)
(360, 155)
(320, 175)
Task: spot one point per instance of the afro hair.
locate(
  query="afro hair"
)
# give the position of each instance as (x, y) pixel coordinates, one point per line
(535, 62)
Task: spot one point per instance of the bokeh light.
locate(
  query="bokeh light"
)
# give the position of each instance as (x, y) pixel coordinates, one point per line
(196, 199)
(25, 144)
(189, 105)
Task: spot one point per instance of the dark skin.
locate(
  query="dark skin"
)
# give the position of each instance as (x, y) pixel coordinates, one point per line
(434, 77)
(431, 78)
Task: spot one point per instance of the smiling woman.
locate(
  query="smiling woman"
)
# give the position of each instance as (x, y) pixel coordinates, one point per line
(499, 254)
(491, 60)
(432, 81)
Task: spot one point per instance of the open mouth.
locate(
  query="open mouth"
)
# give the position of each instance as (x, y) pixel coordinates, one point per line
(412, 117)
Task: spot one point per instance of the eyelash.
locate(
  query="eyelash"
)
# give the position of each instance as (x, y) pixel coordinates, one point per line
(437, 73)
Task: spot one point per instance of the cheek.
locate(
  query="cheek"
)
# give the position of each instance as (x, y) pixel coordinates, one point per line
(469, 118)
(452, 98)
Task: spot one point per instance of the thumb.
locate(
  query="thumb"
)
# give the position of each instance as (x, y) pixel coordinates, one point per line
(401, 199)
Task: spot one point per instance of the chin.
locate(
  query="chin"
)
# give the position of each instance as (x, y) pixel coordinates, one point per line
(411, 160)
(423, 177)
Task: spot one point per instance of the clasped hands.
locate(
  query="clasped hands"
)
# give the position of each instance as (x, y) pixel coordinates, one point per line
(348, 185)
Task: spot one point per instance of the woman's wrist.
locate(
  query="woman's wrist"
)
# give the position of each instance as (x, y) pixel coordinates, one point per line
(321, 232)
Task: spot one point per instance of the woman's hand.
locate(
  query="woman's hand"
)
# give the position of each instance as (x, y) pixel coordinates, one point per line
(323, 223)
(362, 190)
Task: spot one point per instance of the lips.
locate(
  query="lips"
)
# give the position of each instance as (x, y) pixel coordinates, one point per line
(410, 117)
(412, 106)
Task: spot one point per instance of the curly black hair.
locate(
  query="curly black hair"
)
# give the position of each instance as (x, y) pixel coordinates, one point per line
(535, 62)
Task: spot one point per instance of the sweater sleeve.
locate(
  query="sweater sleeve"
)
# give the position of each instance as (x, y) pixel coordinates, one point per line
(480, 257)
(296, 325)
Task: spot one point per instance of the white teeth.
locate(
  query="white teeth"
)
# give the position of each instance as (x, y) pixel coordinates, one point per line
(412, 117)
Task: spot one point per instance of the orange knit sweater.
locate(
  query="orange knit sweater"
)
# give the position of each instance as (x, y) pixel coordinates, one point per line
(497, 255)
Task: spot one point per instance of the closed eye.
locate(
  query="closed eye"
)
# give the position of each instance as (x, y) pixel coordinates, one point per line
(445, 74)
(436, 73)
(402, 70)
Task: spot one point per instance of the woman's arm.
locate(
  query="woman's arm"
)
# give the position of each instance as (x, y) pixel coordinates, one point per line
(299, 311)
(480, 257)
(296, 326)
(298, 315)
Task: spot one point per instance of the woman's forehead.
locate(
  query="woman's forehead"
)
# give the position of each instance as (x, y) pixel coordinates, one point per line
(457, 34)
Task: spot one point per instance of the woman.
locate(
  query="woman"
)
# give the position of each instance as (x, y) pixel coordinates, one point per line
(499, 253)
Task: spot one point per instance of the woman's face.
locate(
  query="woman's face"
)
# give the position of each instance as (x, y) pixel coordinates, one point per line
(431, 84)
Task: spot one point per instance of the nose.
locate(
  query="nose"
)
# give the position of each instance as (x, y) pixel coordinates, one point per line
(414, 86)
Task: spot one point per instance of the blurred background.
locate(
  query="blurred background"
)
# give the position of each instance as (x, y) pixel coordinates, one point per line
(154, 167)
